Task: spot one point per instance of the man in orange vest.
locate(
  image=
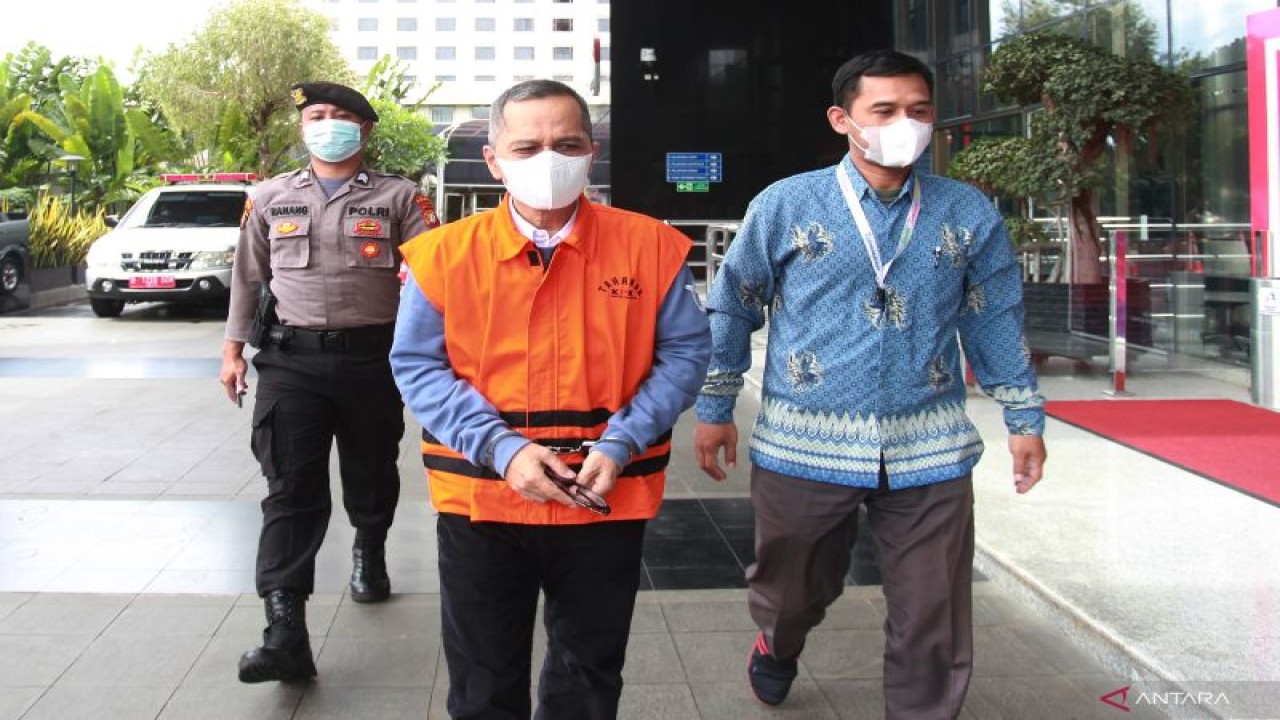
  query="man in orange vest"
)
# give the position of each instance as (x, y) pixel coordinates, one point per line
(547, 347)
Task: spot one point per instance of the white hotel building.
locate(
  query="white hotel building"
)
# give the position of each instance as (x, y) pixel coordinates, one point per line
(477, 48)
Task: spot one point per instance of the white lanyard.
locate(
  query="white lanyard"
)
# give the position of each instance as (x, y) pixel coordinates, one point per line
(880, 267)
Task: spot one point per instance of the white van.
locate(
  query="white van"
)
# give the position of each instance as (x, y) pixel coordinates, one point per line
(175, 244)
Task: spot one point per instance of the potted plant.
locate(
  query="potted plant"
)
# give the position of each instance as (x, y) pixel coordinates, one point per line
(60, 241)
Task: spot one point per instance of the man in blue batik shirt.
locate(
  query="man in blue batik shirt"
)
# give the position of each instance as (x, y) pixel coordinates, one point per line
(870, 272)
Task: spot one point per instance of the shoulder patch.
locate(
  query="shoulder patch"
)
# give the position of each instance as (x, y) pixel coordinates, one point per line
(428, 210)
(248, 208)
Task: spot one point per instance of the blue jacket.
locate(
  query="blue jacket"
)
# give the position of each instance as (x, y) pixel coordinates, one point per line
(850, 375)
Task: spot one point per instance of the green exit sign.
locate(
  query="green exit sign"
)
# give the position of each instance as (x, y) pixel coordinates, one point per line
(693, 187)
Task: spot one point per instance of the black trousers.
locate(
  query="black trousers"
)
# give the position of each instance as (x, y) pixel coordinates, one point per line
(305, 400)
(490, 575)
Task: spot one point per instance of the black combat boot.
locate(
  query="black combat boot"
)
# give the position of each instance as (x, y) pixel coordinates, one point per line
(369, 581)
(286, 649)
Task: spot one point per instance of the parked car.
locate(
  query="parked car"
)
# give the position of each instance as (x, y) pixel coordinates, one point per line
(176, 244)
(15, 250)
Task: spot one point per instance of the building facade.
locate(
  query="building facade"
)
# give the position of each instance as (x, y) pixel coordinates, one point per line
(474, 49)
(1184, 208)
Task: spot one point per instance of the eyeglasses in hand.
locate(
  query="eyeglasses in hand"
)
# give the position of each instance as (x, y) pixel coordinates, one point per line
(579, 494)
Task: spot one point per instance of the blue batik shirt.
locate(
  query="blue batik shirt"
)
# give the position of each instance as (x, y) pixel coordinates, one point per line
(850, 376)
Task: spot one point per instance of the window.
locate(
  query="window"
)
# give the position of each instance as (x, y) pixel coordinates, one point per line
(562, 78)
(407, 53)
(367, 24)
(333, 24)
(524, 53)
(485, 53)
(368, 1)
(523, 25)
(602, 24)
(441, 115)
(446, 53)
(446, 78)
(486, 78)
(486, 24)
(407, 24)
(562, 25)
(446, 24)
(411, 79)
(562, 1)
(522, 78)
(562, 53)
(480, 112)
(367, 52)
(605, 53)
(406, 1)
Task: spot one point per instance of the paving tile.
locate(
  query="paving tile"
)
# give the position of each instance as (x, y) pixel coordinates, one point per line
(714, 656)
(39, 616)
(656, 702)
(999, 652)
(648, 618)
(154, 619)
(849, 654)
(1046, 641)
(854, 613)
(107, 703)
(855, 699)
(233, 699)
(135, 662)
(85, 578)
(697, 577)
(651, 658)
(201, 581)
(219, 661)
(395, 618)
(708, 616)
(734, 701)
(383, 662)
(14, 701)
(329, 702)
(37, 659)
(219, 553)
(439, 708)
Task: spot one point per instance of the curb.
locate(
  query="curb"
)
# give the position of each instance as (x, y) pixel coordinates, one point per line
(1117, 655)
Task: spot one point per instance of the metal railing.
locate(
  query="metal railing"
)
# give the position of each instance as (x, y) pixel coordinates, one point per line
(717, 234)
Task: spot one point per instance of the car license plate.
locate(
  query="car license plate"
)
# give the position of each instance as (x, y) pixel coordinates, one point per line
(152, 282)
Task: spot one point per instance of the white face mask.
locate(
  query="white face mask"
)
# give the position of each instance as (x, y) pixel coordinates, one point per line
(546, 181)
(898, 144)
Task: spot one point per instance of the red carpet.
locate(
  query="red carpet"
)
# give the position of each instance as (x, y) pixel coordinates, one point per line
(1231, 443)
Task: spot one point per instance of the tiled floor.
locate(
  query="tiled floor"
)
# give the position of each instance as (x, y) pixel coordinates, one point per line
(128, 521)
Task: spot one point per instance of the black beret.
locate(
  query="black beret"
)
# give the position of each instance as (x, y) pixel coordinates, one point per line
(312, 93)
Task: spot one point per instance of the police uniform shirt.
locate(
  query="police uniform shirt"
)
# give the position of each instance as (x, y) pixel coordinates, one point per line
(332, 262)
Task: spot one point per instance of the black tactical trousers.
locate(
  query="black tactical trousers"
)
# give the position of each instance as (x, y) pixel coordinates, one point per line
(307, 398)
(490, 577)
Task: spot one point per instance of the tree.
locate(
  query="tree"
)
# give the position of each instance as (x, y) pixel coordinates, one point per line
(1090, 100)
(117, 143)
(402, 141)
(29, 87)
(228, 87)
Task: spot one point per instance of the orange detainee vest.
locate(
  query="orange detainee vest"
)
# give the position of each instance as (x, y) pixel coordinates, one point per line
(556, 350)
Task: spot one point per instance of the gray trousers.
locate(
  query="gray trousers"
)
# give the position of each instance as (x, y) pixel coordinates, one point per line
(924, 538)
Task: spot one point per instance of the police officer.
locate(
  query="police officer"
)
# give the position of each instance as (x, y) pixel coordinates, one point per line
(325, 240)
